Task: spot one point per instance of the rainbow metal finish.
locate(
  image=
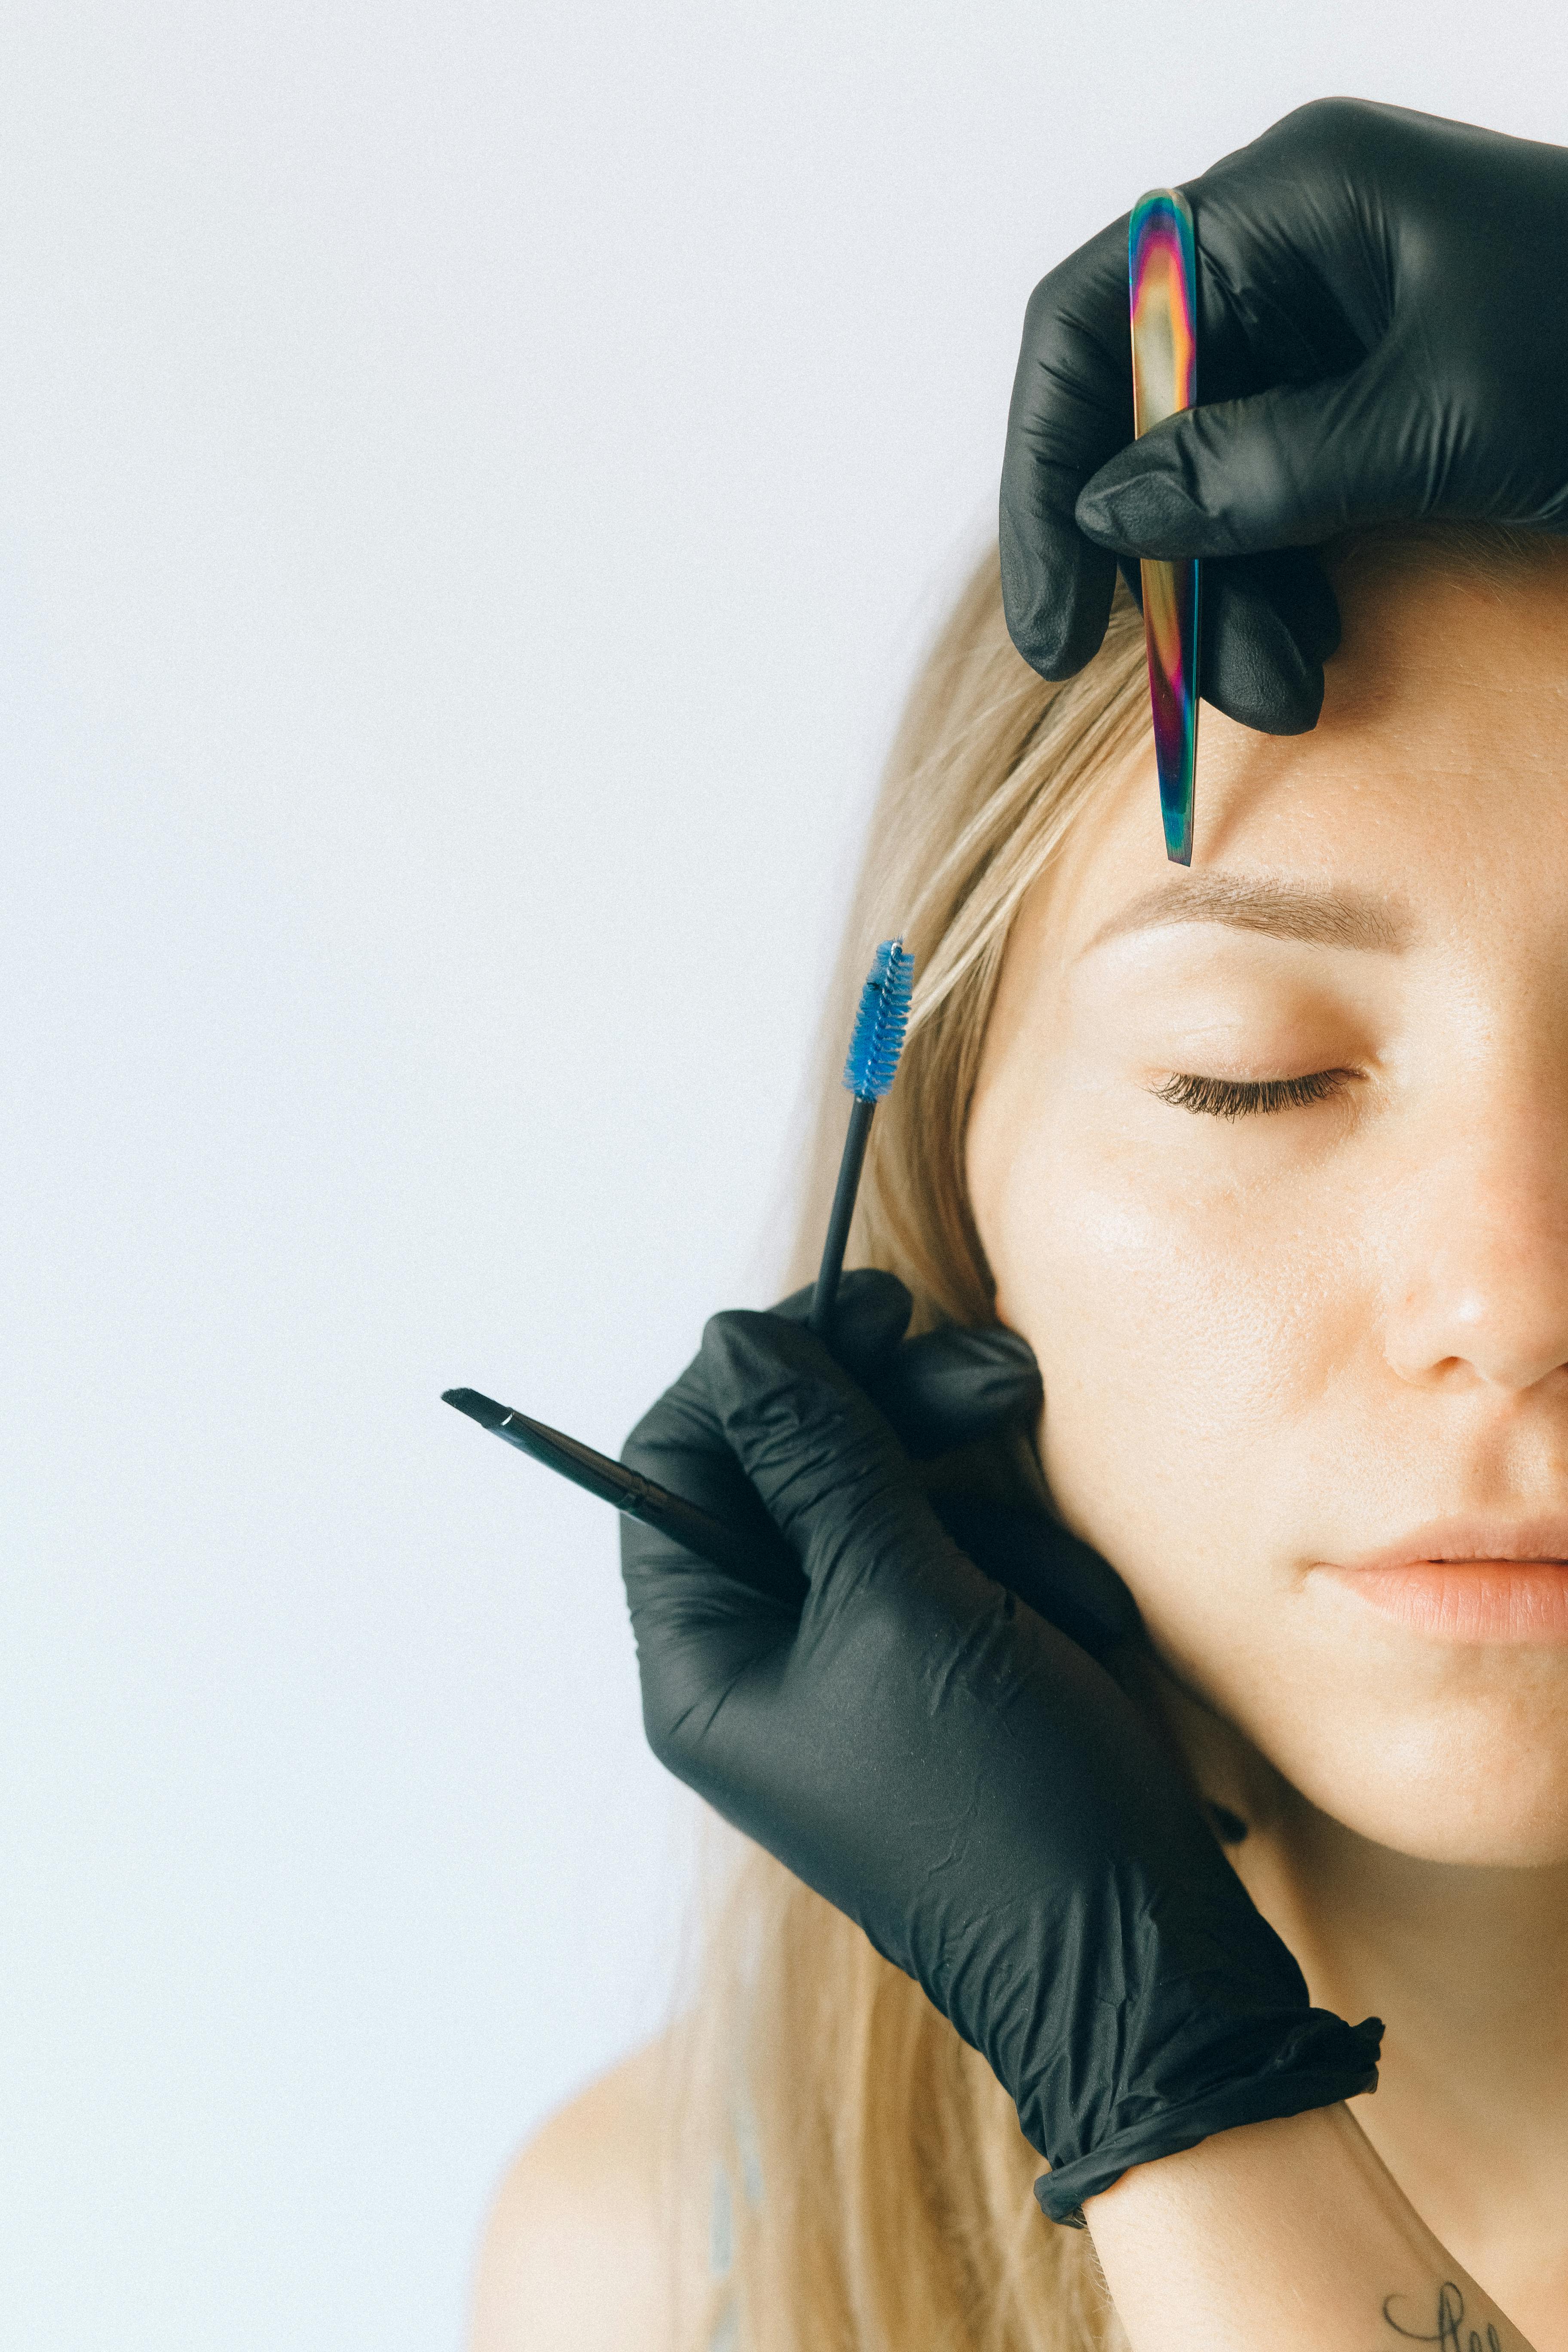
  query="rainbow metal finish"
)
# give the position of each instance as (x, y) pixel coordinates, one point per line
(1161, 276)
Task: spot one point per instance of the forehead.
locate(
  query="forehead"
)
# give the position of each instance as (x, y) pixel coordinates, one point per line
(1436, 777)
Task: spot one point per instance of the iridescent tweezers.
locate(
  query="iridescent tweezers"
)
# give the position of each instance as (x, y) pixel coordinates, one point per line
(1161, 277)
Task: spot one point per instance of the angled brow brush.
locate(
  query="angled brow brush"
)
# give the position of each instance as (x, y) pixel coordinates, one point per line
(612, 1481)
(873, 1058)
(869, 1071)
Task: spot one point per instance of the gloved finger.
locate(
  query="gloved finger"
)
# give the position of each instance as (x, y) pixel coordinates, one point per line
(1267, 624)
(871, 1313)
(1288, 468)
(680, 1439)
(953, 1386)
(1057, 585)
(680, 1444)
(824, 1461)
(947, 1388)
(1061, 1579)
(1071, 409)
(702, 1630)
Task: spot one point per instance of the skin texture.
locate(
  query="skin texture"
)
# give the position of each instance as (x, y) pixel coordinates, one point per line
(1285, 1339)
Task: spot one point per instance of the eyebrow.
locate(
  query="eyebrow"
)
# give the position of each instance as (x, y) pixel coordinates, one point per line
(1284, 910)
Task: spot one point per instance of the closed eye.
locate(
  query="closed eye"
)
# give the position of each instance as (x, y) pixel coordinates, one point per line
(1240, 1098)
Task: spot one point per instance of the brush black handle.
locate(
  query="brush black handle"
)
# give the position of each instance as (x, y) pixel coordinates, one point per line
(612, 1481)
(842, 1216)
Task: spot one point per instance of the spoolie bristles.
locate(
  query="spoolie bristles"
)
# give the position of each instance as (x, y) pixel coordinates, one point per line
(874, 1051)
(879, 1025)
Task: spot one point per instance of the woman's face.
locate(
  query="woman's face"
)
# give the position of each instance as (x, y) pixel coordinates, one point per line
(1270, 1160)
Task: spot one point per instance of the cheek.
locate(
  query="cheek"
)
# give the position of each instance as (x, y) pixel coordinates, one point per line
(1195, 1334)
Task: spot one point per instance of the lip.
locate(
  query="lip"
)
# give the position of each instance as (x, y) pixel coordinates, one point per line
(1468, 1579)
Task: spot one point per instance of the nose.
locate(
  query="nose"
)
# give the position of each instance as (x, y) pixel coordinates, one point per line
(1481, 1285)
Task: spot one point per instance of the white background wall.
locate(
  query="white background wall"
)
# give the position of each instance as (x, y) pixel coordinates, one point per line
(473, 480)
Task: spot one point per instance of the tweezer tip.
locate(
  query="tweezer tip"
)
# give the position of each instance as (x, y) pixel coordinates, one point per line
(1178, 829)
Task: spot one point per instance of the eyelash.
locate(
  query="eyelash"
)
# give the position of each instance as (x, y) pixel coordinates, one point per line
(1240, 1098)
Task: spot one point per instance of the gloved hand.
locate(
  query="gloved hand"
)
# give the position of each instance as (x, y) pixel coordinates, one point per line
(1382, 332)
(929, 1752)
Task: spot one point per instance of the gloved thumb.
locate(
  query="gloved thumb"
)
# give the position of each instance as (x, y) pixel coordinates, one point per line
(822, 1460)
(1285, 468)
(1267, 622)
(946, 1389)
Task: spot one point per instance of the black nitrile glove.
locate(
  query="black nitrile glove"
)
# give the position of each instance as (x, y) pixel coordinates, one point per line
(1382, 333)
(947, 1766)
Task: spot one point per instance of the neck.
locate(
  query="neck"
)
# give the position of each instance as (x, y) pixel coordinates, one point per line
(1468, 1968)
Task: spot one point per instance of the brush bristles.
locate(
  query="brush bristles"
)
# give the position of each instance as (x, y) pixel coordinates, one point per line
(880, 1024)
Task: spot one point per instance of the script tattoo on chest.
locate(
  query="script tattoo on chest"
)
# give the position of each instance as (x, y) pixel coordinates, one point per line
(1451, 2335)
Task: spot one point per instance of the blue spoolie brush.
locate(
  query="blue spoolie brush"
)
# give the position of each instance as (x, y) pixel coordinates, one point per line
(869, 1071)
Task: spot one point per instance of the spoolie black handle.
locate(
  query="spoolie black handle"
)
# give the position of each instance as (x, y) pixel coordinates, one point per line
(838, 1223)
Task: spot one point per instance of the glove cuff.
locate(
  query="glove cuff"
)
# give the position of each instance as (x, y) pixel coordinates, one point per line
(1335, 2064)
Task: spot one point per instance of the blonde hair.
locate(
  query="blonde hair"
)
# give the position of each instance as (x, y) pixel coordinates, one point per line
(876, 2187)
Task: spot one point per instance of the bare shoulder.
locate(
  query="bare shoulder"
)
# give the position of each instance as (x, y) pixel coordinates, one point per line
(579, 2253)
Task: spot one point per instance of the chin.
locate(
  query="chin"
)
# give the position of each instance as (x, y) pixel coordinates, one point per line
(1444, 1753)
(1479, 1782)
